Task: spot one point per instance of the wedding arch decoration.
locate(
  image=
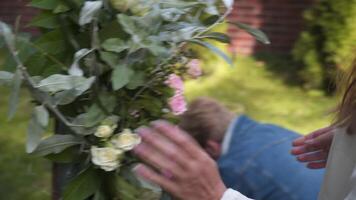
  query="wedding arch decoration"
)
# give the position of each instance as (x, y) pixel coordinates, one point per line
(101, 69)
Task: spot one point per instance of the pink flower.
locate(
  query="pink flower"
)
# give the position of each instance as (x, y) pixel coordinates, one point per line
(175, 82)
(194, 68)
(177, 104)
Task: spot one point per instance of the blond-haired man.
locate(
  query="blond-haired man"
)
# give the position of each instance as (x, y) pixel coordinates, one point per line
(253, 158)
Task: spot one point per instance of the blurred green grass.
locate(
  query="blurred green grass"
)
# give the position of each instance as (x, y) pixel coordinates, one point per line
(249, 87)
(22, 176)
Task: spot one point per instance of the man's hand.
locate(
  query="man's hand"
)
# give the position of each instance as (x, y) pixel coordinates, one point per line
(176, 163)
(314, 148)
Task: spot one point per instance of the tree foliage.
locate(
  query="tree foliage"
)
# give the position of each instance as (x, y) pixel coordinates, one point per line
(329, 42)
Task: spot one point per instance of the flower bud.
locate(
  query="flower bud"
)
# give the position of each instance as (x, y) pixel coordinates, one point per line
(126, 140)
(106, 158)
(104, 131)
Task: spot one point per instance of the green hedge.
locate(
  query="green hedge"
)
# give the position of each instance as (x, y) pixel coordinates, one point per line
(329, 42)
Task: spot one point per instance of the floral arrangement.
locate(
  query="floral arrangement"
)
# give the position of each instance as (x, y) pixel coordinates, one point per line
(101, 69)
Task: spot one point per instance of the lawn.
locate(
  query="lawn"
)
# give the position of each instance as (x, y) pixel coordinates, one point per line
(248, 87)
(251, 87)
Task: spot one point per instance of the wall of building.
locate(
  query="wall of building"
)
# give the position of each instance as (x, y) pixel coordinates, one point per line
(282, 20)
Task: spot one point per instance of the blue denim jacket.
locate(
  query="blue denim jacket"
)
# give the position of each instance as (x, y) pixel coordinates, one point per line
(258, 164)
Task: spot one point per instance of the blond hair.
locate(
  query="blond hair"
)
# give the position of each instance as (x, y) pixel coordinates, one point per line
(206, 119)
(346, 114)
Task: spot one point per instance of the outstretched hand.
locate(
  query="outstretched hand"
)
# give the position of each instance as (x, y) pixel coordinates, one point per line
(177, 163)
(314, 148)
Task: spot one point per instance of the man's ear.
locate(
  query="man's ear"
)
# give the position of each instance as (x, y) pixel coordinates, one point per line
(213, 148)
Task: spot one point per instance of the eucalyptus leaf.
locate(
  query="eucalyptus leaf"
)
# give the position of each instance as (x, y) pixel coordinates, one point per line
(6, 77)
(45, 20)
(99, 195)
(66, 97)
(115, 45)
(221, 37)
(109, 58)
(61, 8)
(75, 70)
(82, 186)
(213, 49)
(56, 144)
(229, 3)
(42, 115)
(15, 93)
(131, 27)
(89, 11)
(36, 128)
(137, 80)
(67, 156)
(58, 82)
(44, 4)
(121, 76)
(259, 35)
(5, 31)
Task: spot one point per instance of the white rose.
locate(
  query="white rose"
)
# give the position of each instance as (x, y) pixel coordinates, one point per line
(106, 158)
(126, 140)
(104, 131)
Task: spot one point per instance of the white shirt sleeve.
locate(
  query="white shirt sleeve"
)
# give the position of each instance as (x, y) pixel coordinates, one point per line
(231, 194)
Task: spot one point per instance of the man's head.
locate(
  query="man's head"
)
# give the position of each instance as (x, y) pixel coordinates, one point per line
(207, 121)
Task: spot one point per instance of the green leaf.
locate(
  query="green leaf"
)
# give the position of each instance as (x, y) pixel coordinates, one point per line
(45, 20)
(213, 49)
(89, 11)
(139, 79)
(42, 115)
(99, 195)
(221, 37)
(69, 155)
(53, 42)
(56, 144)
(5, 31)
(128, 24)
(121, 76)
(228, 3)
(6, 77)
(15, 93)
(83, 186)
(65, 97)
(91, 118)
(34, 134)
(58, 82)
(259, 35)
(109, 58)
(111, 120)
(44, 4)
(115, 45)
(61, 8)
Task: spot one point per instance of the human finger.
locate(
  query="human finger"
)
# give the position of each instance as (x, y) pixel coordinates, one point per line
(299, 150)
(316, 165)
(161, 144)
(322, 142)
(157, 160)
(150, 175)
(312, 157)
(300, 141)
(179, 137)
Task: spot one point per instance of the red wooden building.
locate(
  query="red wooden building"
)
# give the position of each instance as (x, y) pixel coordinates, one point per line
(280, 19)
